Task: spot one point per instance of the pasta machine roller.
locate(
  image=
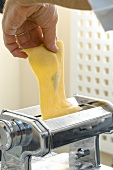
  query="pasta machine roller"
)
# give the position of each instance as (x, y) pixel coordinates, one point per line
(24, 134)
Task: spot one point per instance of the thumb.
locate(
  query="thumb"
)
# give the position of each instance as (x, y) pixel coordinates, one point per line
(50, 38)
(48, 21)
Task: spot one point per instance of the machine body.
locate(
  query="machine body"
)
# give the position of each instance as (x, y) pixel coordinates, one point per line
(25, 134)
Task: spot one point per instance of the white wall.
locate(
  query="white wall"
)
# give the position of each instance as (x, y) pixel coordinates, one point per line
(63, 32)
(9, 77)
(29, 94)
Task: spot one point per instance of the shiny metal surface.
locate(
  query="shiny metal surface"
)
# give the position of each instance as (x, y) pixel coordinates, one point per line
(88, 117)
(5, 132)
(93, 119)
(89, 158)
(31, 136)
(34, 141)
(30, 111)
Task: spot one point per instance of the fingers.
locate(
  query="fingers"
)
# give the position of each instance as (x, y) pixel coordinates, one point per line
(30, 39)
(49, 32)
(37, 23)
(47, 18)
(13, 47)
(50, 39)
(15, 23)
(12, 19)
(18, 53)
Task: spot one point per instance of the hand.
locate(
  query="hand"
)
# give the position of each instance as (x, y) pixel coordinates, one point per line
(26, 26)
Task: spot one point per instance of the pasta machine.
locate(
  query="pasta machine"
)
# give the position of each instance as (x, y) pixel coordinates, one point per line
(24, 134)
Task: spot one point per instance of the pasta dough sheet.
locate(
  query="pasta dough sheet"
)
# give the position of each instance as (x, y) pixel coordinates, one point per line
(49, 70)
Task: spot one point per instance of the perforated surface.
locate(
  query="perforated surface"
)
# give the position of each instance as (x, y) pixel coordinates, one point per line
(91, 57)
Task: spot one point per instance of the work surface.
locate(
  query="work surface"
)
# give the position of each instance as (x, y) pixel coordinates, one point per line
(57, 162)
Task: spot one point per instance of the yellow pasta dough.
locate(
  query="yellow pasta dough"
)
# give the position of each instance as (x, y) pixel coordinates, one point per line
(48, 68)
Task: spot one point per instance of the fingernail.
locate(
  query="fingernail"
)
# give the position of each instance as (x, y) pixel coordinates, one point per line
(52, 48)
